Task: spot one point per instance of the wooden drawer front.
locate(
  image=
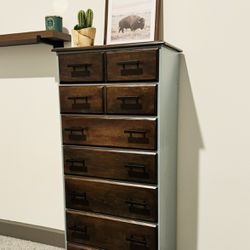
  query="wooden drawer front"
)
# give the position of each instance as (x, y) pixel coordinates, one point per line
(138, 167)
(129, 201)
(85, 67)
(81, 99)
(140, 65)
(79, 247)
(110, 233)
(114, 132)
(131, 100)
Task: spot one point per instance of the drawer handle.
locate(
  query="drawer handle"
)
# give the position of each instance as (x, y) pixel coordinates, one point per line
(138, 207)
(130, 102)
(76, 134)
(130, 62)
(128, 71)
(77, 165)
(79, 232)
(79, 198)
(80, 102)
(135, 139)
(137, 171)
(80, 70)
(137, 242)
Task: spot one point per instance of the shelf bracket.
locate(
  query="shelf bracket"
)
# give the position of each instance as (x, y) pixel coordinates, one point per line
(54, 43)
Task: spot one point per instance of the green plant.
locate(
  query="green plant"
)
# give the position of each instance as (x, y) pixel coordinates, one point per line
(89, 18)
(85, 20)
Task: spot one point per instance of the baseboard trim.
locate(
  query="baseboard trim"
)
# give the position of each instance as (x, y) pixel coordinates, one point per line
(33, 233)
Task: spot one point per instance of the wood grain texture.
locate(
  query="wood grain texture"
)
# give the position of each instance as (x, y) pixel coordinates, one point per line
(115, 47)
(110, 234)
(71, 246)
(112, 198)
(137, 65)
(25, 38)
(109, 131)
(157, 19)
(122, 165)
(131, 100)
(84, 99)
(110, 184)
(82, 67)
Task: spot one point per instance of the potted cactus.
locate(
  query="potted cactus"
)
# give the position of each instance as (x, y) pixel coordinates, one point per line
(83, 33)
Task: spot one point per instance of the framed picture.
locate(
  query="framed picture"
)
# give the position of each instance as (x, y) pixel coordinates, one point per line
(131, 21)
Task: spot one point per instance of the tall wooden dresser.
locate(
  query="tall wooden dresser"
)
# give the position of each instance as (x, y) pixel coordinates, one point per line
(119, 130)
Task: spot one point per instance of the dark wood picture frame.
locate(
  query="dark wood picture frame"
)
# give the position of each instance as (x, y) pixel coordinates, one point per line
(158, 7)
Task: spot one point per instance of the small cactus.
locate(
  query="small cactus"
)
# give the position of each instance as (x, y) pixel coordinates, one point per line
(82, 19)
(85, 20)
(89, 18)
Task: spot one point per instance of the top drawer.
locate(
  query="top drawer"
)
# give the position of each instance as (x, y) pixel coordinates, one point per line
(83, 67)
(139, 65)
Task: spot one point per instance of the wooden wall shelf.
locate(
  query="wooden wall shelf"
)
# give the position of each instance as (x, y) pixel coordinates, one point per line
(54, 38)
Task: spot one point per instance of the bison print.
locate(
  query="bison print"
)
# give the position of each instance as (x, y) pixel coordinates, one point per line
(131, 22)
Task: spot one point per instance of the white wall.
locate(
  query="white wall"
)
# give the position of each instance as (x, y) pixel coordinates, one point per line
(214, 142)
(214, 163)
(31, 187)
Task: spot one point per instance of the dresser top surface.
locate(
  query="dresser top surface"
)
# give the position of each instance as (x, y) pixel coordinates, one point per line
(119, 46)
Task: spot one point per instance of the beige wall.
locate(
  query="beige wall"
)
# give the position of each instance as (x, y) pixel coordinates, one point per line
(31, 187)
(214, 163)
(31, 173)
(214, 137)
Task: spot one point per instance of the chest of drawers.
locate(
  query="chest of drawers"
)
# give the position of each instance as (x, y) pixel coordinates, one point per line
(119, 133)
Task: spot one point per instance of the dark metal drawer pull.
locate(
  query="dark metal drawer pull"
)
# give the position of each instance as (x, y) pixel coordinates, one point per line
(125, 71)
(77, 165)
(137, 171)
(140, 140)
(80, 70)
(130, 102)
(76, 134)
(130, 62)
(79, 232)
(137, 242)
(138, 208)
(79, 198)
(80, 102)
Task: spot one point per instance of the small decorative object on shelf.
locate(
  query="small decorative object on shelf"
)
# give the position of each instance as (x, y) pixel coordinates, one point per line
(83, 33)
(53, 23)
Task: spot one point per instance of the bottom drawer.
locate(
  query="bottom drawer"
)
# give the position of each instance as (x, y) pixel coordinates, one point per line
(79, 247)
(110, 233)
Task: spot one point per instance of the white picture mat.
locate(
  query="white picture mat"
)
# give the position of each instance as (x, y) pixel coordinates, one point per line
(127, 8)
